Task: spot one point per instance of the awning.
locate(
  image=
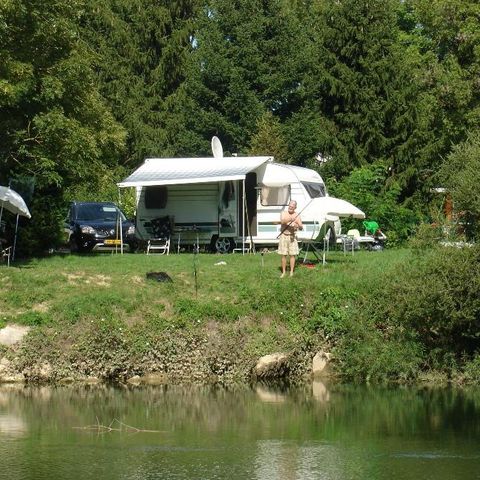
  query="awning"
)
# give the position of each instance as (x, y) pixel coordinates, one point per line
(175, 171)
(10, 200)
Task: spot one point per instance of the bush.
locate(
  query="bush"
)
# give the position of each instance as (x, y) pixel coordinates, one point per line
(372, 355)
(460, 173)
(435, 299)
(471, 373)
(366, 187)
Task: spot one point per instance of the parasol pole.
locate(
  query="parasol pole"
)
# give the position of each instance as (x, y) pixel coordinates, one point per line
(15, 239)
(243, 218)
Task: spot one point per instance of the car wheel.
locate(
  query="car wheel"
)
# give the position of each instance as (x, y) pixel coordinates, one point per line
(222, 244)
(73, 245)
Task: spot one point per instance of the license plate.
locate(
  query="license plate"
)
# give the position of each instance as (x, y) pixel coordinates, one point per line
(113, 242)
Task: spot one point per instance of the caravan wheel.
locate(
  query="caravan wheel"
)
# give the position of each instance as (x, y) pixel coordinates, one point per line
(222, 244)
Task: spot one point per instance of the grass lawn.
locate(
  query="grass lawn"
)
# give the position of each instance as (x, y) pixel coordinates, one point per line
(64, 290)
(100, 315)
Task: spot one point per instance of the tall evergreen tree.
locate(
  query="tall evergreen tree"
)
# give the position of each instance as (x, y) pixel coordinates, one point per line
(352, 77)
(269, 139)
(141, 48)
(366, 93)
(243, 64)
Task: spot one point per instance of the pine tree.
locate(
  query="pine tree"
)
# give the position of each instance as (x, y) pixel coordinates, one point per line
(269, 139)
(141, 47)
(243, 64)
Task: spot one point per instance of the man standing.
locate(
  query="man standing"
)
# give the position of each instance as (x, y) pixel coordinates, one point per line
(288, 244)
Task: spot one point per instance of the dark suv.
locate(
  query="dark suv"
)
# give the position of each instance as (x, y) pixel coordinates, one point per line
(95, 226)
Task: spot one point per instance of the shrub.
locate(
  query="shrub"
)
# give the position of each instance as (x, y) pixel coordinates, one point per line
(367, 188)
(372, 355)
(471, 372)
(435, 298)
(460, 173)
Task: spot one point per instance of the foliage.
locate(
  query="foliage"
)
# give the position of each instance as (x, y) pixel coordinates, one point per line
(434, 299)
(366, 188)
(54, 125)
(141, 49)
(386, 86)
(370, 354)
(269, 139)
(471, 372)
(244, 63)
(460, 175)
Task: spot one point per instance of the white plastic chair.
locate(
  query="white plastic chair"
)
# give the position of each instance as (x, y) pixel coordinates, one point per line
(6, 254)
(157, 245)
(354, 233)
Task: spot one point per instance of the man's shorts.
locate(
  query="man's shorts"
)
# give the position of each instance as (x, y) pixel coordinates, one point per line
(288, 245)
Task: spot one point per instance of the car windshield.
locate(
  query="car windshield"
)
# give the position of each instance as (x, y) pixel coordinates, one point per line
(104, 213)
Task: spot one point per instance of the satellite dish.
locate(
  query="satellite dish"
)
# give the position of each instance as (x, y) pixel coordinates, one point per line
(217, 148)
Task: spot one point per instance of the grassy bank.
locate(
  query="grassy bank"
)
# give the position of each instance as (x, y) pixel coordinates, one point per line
(99, 315)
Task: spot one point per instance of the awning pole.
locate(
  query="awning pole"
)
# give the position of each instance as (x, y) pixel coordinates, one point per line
(325, 242)
(120, 217)
(243, 217)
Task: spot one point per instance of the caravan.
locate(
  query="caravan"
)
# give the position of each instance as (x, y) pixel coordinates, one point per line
(231, 202)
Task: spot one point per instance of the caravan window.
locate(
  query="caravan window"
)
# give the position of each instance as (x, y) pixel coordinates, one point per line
(156, 197)
(315, 190)
(272, 196)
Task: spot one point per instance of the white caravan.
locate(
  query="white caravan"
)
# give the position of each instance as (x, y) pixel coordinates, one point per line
(229, 202)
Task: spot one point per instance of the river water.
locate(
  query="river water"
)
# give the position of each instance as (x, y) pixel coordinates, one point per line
(330, 432)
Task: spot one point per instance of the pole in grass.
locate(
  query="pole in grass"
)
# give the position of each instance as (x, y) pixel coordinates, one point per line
(195, 273)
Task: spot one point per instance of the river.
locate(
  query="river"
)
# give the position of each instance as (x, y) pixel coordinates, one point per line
(319, 431)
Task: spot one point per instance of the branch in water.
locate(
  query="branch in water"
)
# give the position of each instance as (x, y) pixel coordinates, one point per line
(115, 426)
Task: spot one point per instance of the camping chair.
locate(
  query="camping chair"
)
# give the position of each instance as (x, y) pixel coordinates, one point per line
(161, 230)
(352, 241)
(349, 241)
(6, 254)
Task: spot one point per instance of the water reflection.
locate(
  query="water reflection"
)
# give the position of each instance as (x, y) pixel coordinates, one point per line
(320, 391)
(11, 425)
(318, 431)
(269, 395)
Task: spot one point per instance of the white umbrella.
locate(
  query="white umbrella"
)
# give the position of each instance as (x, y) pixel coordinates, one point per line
(338, 207)
(10, 200)
(330, 208)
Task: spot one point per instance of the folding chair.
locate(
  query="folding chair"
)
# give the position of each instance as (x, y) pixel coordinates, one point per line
(160, 242)
(6, 254)
(158, 245)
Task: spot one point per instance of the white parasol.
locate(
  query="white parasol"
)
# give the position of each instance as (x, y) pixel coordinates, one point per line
(338, 207)
(10, 200)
